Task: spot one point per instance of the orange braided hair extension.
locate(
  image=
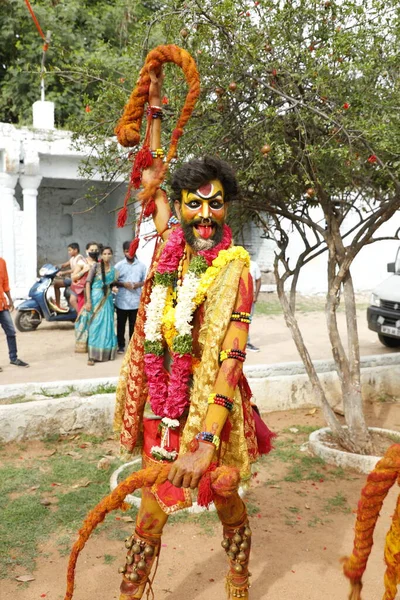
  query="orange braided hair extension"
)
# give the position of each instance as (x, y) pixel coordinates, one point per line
(224, 482)
(128, 128)
(379, 482)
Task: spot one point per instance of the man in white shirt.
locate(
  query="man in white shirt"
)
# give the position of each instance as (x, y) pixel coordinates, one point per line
(256, 275)
(131, 276)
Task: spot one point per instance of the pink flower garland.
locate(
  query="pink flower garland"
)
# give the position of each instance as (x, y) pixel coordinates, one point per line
(169, 392)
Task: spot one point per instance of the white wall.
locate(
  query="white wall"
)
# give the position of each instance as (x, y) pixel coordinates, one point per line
(368, 269)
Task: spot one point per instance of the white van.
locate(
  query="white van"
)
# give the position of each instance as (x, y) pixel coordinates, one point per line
(384, 312)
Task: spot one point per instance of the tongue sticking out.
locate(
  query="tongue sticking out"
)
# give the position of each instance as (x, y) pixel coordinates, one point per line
(205, 231)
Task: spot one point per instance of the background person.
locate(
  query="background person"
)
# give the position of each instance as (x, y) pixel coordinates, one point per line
(256, 276)
(80, 274)
(102, 341)
(132, 274)
(75, 259)
(6, 307)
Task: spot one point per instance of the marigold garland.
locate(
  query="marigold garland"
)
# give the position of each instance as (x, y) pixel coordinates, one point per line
(224, 482)
(379, 482)
(169, 392)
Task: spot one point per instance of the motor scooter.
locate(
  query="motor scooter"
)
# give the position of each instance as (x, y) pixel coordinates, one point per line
(38, 306)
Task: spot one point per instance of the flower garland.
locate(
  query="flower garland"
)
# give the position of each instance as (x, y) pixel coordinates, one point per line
(169, 392)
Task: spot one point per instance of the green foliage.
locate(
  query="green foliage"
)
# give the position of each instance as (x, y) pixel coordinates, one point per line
(198, 265)
(90, 48)
(182, 344)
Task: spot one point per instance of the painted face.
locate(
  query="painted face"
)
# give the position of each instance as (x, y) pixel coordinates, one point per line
(203, 213)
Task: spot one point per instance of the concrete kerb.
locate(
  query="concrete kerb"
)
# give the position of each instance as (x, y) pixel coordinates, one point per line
(361, 463)
(282, 386)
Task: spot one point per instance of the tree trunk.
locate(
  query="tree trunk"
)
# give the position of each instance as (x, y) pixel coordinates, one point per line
(342, 435)
(352, 395)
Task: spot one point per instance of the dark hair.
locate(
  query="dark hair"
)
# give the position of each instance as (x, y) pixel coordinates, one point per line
(103, 271)
(126, 246)
(195, 173)
(91, 244)
(74, 246)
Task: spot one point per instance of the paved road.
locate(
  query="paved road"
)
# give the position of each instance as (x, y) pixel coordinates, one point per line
(50, 349)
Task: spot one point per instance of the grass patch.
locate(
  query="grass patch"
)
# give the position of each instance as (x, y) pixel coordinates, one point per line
(15, 399)
(293, 509)
(103, 388)
(337, 503)
(71, 485)
(109, 559)
(301, 429)
(315, 521)
(48, 394)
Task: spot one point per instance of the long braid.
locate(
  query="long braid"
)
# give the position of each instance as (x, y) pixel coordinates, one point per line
(379, 482)
(103, 277)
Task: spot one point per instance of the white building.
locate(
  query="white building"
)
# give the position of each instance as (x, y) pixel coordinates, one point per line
(42, 204)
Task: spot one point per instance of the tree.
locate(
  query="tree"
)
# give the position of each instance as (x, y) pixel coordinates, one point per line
(90, 43)
(303, 99)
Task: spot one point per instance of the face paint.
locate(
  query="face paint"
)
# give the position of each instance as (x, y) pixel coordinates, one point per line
(203, 214)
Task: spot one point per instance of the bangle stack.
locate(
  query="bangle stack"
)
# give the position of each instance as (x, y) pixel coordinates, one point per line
(221, 400)
(155, 112)
(207, 436)
(243, 317)
(159, 153)
(172, 221)
(232, 353)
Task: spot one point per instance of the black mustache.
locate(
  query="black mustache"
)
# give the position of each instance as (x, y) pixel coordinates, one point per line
(208, 221)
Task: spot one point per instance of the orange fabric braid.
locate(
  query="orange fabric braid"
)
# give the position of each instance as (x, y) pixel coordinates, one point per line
(224, 482)
(379, 482)
(128, 128)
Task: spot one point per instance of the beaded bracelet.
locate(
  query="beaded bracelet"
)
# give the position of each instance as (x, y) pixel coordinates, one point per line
(159, 153)
(243, 317)
(221, 400)
(172, 221)
(232, 353)
(207, 436)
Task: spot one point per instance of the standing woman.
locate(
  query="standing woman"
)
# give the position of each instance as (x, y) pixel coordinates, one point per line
(102, 341)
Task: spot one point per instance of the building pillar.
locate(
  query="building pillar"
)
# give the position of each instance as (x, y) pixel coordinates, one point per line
(7, 210)
(30, 185)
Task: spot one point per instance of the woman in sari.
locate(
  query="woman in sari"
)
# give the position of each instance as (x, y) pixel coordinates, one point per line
(102, 341)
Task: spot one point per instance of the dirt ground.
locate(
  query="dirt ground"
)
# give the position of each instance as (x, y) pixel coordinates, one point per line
(297, 540)
(50, 349)
(297, 543)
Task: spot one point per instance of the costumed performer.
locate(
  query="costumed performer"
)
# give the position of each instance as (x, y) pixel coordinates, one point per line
(182, 380)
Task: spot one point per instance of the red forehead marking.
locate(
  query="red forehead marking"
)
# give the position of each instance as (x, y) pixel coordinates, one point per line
(206, 189)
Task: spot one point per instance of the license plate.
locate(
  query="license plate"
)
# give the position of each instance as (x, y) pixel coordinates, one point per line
(390, 330)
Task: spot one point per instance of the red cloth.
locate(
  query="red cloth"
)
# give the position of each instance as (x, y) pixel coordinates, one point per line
(4, 284)
(263, 433)
(167, 495)
(81, 301)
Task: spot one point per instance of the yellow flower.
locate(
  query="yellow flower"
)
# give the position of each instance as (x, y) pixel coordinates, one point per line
(168, 320)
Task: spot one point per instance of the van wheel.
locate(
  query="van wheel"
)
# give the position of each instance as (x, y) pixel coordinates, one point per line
(389, 342)
(27, 320)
